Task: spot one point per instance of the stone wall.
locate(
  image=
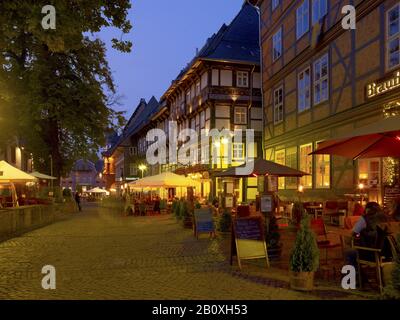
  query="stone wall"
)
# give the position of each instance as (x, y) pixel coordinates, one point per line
(16, 221)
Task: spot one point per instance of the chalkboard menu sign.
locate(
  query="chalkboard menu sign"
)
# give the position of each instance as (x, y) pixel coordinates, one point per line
(391, 194)
(248, 228)
(247, 240)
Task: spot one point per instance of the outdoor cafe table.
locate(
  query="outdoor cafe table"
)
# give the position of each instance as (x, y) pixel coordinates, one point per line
(315, 210)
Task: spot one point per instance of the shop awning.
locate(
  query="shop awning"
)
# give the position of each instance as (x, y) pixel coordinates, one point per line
(42, 176)
(379, 139)
(262, 167)
(9, 173)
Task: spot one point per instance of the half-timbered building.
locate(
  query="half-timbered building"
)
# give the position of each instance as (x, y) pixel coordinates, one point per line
(315, 80)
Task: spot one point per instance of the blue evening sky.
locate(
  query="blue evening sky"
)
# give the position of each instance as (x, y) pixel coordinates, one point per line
(165, 36)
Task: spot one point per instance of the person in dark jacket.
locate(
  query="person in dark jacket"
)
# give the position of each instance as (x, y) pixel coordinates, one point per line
(78, 201)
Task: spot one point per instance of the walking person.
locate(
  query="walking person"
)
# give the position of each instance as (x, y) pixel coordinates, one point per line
(78, 201)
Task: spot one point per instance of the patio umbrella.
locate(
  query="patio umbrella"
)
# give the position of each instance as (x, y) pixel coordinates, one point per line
(97, 190)
(380, 139)
(163, 180)
(9, 173)
(262, 167)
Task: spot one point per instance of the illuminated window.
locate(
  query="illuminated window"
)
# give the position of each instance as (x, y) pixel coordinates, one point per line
(242, 79)
(319, 10)
(304, 91)
(238, 151)
(278, 105)
(302, 19)
(277, 45)
(393, 41)
(322, 170)
(291, 161)
(240, 115)
(321, 84)
(280, 159)
(369, 172)
(306, 165)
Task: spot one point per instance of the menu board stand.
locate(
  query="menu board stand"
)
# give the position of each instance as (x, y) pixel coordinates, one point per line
(247, 240)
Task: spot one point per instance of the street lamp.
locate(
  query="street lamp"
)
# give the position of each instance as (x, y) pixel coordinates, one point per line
(51, 173)
(142, 168)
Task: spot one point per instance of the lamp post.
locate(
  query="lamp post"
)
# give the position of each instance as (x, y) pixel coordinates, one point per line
(361, 188)
(142, 168)
(51, 173)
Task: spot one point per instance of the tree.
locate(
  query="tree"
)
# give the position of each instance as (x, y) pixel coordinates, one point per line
(305, 253)
(56, 88)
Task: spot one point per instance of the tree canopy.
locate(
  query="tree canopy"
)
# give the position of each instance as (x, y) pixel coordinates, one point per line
(56, 87)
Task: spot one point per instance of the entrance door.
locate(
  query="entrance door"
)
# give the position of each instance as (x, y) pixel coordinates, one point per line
(369, 174)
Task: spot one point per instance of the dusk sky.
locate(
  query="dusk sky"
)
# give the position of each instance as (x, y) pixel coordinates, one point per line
(165, 36)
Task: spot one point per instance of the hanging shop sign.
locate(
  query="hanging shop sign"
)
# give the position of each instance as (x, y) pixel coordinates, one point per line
(382, 86)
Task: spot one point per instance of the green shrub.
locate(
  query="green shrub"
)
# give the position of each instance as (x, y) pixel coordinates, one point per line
(272, 235)
(224, 223)
(305, 254)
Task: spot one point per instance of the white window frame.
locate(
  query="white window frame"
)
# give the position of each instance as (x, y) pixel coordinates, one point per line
(282, 179)
(277, 40)
(321, 11)
(318, 81)
(316, 183)
(390, 38)
(278, 106)
(302, 19)
(306, 105)
(242, 79)
(240, 115)
(236, 146)
(132, 151)
(275, 4)
(301, 168)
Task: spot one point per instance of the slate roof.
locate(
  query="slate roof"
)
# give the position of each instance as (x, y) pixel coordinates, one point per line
(237, 42)
(140, 117)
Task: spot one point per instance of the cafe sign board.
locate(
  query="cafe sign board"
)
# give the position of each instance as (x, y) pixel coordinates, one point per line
(247, 240)
(382, 86)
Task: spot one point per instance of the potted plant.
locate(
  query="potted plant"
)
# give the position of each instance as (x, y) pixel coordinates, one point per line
(224, 222)
(185, 214)
(304, 258)
(272, 238)
(175, 208)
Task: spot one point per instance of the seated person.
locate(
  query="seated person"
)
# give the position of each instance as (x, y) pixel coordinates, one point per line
(365, 232)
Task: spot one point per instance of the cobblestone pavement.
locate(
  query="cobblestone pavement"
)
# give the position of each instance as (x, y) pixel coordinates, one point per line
(99, 254)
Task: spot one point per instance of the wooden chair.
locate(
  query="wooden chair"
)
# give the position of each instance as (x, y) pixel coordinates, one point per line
(318, 226)
(375, 257)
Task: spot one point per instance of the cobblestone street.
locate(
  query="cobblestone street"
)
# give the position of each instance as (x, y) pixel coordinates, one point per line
(99, 254)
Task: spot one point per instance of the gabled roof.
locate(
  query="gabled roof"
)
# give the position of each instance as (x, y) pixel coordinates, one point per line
(140, 117)
(237, 43)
